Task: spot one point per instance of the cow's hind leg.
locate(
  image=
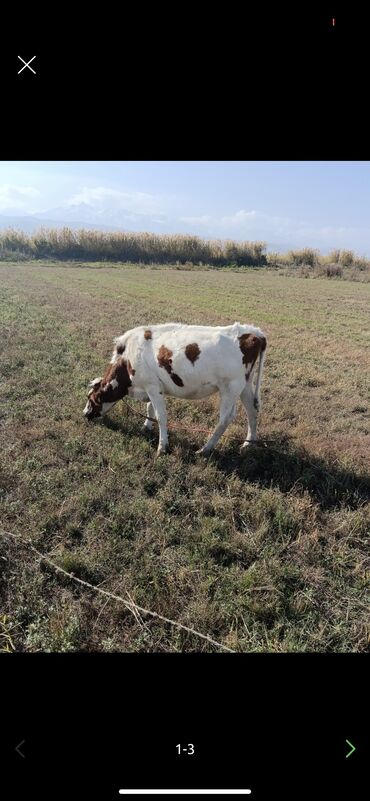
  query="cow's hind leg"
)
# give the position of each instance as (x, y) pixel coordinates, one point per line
(248, 400)
(228, 399)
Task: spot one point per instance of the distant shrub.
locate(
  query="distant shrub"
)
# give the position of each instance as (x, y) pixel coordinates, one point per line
(356, 274)
(333, 269)
(333, 256)
(68, 244)
(178, 251)
(307, 256)
(360, 263)
(346, 258)
(14, 242)
(13, 255)
(275, 259)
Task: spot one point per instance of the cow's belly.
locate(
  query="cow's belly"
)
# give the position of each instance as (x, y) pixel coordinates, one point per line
(191, 393)
(188, 393)
(138, 394)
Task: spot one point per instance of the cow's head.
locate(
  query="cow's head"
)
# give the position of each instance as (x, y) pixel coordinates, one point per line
(105, 392)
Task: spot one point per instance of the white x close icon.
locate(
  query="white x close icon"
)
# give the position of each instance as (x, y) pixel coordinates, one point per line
(27, 64)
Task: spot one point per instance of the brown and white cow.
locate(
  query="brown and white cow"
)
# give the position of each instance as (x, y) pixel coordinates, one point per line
(185, 361)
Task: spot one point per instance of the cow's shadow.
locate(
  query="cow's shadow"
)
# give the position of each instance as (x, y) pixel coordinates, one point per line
(280, 464)
(284, 465)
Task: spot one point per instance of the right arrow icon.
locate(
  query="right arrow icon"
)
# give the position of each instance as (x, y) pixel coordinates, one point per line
(352, 747)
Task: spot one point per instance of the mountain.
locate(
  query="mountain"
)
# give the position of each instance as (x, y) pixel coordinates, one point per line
(79, 213)
(111, 219)
(16, 212)
(27, 224)
(31, 223)
(83, 215)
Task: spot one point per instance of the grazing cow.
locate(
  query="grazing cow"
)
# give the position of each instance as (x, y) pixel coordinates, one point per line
(185, 361)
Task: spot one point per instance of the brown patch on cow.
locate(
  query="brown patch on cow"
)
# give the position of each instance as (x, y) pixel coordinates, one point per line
(130, 368)
(119, 372)
(104, 392)
(96, 404)
(192, 352)
(120, 349)
(147, 334)
(164, 357)
(250, 346)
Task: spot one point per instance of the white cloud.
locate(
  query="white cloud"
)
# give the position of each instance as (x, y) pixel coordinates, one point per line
(101, 198)
(240, 218)
(331, 235)
(241, 223)
(17, 197)
(254, 219)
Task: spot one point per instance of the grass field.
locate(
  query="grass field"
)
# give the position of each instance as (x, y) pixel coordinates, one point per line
(267, 551)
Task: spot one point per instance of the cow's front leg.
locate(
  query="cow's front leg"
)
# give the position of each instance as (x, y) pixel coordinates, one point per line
(148, 425)
(159, 406)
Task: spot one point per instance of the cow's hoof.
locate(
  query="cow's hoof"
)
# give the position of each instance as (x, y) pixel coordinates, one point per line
(161, 450)
(246, 445)
(203, 451)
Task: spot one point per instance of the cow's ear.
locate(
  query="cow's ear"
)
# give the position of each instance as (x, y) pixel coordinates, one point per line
(94, 383)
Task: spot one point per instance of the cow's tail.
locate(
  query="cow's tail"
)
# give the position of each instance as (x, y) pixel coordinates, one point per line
(261, 362)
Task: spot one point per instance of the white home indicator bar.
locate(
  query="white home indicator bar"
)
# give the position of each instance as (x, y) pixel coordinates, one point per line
(185, 792)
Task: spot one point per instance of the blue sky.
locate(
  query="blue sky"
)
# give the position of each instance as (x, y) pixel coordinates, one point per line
(317, 204)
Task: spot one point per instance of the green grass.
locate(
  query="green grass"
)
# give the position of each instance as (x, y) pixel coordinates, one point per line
(268, 551)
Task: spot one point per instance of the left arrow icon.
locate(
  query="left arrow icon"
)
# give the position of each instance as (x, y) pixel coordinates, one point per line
(18, 749)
